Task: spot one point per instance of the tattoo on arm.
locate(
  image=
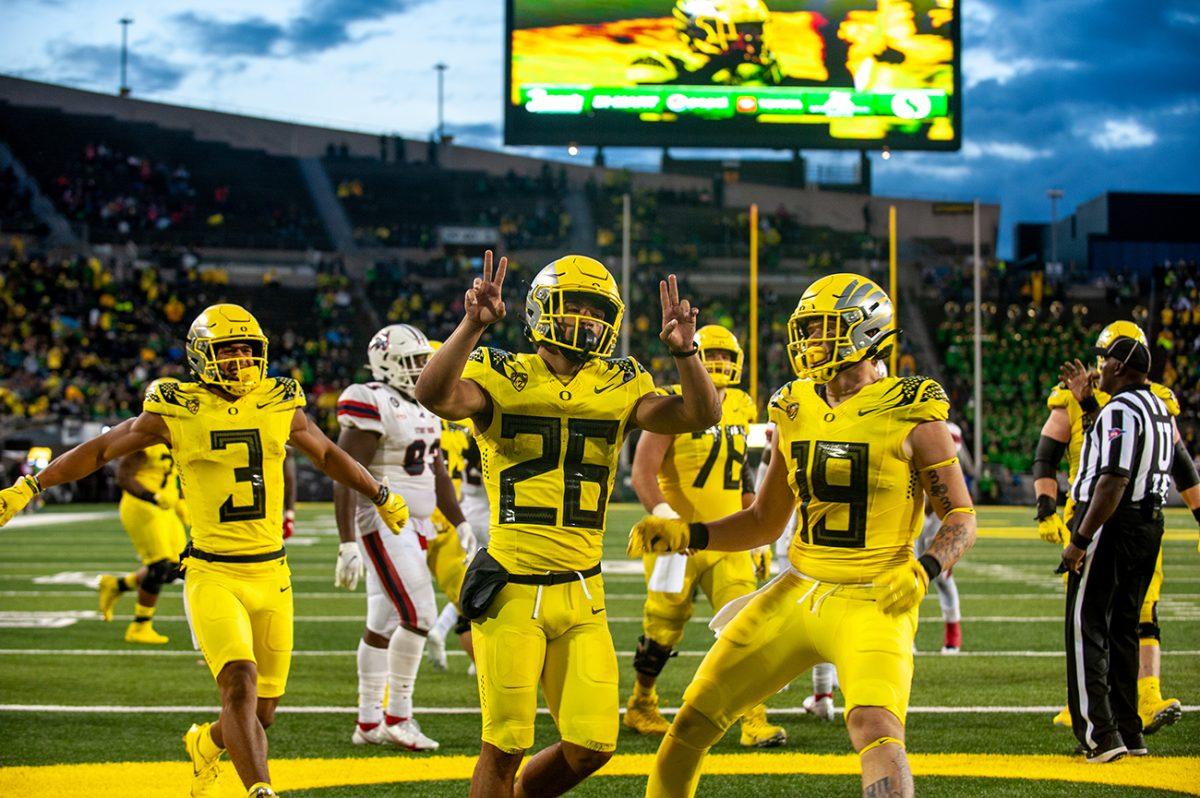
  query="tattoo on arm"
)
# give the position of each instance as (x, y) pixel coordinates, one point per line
(939, 493)
(952, 540)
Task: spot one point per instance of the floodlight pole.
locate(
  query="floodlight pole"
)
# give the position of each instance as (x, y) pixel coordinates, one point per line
(978, 355)
(892, 285)
(754, 303)
(440, 68)
(125, 22)
(1054, 194)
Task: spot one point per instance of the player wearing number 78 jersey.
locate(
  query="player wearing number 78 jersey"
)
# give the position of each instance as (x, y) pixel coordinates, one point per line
(227, 427)
(550, 427)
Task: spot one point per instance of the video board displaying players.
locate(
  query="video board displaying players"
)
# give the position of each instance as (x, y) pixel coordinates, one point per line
(848, 74)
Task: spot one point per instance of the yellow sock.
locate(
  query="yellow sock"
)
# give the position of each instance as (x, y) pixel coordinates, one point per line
(642, 692)
(208, 748)
(127, 582)
(142, 613)
(1149, 689)
(253, 792)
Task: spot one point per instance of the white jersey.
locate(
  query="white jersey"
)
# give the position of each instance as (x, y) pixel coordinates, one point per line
(409, 437)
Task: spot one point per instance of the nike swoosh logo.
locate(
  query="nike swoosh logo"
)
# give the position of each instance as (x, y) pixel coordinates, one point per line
(264, 404)
(597, 612)
(285, 589)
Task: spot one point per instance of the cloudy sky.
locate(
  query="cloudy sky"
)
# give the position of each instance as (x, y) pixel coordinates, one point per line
(1086, 95)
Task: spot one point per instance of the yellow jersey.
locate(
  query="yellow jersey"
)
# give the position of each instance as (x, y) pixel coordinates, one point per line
(157, 472)
(230, 458)
(701, 475)
(861, 504)
(549, 455)
(456, 437)
(1061, 397)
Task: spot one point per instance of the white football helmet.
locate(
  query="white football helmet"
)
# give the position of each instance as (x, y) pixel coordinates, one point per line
(397, 353)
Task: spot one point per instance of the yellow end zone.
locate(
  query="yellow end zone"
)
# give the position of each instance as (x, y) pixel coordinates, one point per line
(169, 779)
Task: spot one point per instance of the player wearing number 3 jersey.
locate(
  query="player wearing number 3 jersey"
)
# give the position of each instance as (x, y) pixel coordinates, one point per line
(227, 428)
(855, 450)
(550, 427)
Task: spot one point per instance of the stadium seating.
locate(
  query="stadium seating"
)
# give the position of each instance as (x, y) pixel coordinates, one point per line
(134, 181)
(1175, 338)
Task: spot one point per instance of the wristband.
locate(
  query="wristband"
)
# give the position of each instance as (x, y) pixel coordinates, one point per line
(1046, 507)
(695, 350)
(697, 536)
(382, 496)
(32, 481)
(1079, 541)
(931, 565)
(1089, 404)
(1196, 514)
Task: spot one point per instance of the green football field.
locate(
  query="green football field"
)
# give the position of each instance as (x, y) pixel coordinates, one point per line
(83, 713)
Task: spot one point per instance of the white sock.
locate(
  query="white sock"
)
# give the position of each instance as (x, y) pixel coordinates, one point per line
(372, 679)
(822, 678)
(404, 659)
(445, 621)
(948, 597)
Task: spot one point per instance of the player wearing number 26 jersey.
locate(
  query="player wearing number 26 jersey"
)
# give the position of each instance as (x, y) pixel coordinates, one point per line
(854, 449)
(550, 426)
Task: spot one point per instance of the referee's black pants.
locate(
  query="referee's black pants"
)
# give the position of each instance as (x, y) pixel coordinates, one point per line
(1103, 603)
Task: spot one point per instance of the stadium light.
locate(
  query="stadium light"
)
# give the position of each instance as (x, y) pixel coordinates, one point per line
(887, 154)
(1054, 195)
(441, 68)
(572, 150)
(125, 22)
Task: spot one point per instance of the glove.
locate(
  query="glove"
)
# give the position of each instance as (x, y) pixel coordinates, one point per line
(466, 537)
(902, 588)
(1053, 529)
(14, 499)
(349, 567)
(654, 535)
(761, 557)
(392, 509)
(164, 501)
(289, 524)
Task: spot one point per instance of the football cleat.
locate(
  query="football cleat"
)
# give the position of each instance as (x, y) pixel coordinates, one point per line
(821, 706)
(435, 648)
(408, 734)
(642, 715)
(110, 591)
(1063, 718)
(143, 632)
(372, 736)
(1160, 713)
(952, 642)
(204, 771)
(757, 732)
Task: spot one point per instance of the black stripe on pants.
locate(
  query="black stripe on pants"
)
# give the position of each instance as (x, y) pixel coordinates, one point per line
(1103, 604)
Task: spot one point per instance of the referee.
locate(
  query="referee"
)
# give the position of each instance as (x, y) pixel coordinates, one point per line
(1123, 479)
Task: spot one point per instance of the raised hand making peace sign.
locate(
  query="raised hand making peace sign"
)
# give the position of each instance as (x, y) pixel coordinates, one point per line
(679, 317)
(483, 303)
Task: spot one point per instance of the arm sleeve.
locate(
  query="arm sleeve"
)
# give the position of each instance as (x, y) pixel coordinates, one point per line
(1183, 470)
(1049, 454)
(1118, 433)
(357, 409)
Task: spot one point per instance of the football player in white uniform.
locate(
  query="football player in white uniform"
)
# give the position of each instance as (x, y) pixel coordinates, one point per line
(398, 440)
(947, 589)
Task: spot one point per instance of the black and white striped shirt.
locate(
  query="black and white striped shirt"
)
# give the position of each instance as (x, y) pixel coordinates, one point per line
(1133, 436)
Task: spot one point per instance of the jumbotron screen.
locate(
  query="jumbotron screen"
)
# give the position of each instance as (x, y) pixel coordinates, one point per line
(846, 74)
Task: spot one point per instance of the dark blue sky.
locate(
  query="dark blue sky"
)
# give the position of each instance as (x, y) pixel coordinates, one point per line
(1084, 95)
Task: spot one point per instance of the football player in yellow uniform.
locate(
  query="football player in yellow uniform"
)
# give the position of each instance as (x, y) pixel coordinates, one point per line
(696, 477)
(227, 428)
(1073, 405)
(152, 513)
(855, 449)
(550, 427)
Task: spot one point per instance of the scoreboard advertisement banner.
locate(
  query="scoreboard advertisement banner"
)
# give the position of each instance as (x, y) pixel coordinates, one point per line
(845, 74)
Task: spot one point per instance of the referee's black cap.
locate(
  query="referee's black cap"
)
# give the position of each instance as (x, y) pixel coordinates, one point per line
(1130, 351)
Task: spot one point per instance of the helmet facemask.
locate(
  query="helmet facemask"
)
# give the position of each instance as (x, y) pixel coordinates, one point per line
(401, 369)
(822, 343)
(553, 319)
(724, 371)
(202, 354)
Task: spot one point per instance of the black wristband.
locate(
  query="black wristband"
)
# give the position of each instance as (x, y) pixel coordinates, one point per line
(1079, 541)
(1196, 514)
(931, 565)
(697, 536)
(1046, 507)
(148, 496)
(1089, 405)
(695, 350)
(381, 496)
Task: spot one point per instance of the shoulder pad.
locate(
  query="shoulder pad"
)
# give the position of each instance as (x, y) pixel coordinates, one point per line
(485, 363)
(784, 404)
(1059, 397)
(1168, 397)
(170, 397)
(282, 393)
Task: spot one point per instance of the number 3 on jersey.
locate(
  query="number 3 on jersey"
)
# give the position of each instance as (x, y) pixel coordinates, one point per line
(575, 470)
(838, 476)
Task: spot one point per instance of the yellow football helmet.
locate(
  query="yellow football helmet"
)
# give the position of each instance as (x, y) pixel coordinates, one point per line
(842, 319)
(574, 278)
(216, 326)
(717, 27)
(1118, 329)
(714, 337)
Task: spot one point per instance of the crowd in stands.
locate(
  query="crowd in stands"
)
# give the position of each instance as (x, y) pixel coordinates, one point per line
(1176, 341)
(81, 337)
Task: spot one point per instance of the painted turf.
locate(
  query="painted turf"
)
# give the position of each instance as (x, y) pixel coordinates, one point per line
(163, 779)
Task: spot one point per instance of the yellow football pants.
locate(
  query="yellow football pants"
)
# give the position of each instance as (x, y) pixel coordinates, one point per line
(722, 575)
(156, 534)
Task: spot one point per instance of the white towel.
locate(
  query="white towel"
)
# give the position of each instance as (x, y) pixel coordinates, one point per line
(668, 573)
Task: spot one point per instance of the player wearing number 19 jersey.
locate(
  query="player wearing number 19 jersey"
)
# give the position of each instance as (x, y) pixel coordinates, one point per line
(550, 426)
